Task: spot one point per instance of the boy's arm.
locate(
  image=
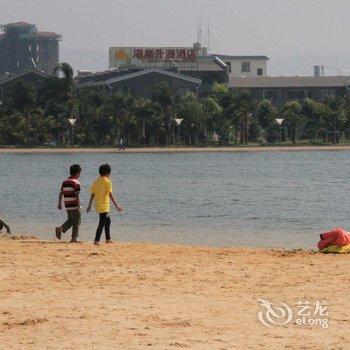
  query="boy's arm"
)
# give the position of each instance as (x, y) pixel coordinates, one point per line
(59, 205)
(78, 199)
(77, 192)
(92, 196)
(117, 206)
(8, 230)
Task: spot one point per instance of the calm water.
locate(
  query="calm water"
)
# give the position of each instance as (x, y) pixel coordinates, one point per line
(254, 199)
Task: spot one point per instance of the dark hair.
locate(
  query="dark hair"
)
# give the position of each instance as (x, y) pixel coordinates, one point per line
(75, 169)
(105, 169)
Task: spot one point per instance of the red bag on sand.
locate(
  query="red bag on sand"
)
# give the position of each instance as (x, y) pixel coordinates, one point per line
(338, 236)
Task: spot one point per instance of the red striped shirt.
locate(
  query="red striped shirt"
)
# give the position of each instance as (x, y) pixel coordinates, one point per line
(70, 189)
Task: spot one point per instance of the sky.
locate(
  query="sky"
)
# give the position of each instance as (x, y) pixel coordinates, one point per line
(294, 34)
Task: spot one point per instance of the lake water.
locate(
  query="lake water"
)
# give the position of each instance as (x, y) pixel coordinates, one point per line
(271, 199)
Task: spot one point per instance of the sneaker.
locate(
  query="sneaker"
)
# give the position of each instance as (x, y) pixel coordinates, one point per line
(109, 241)
(75, 241)
(97, 243)
(58, 231)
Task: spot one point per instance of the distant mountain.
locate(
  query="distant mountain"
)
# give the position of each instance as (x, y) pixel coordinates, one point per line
(95, 61)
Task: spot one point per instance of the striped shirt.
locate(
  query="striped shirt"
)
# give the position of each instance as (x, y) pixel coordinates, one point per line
(70, 190)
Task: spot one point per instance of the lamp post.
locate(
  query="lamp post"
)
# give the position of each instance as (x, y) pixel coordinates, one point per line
(178, 121)
(279, 121)
(71, 122)
(249, 115)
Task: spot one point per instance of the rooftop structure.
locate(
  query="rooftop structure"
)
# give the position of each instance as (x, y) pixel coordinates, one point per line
(282, 89)
(23, 47)
(195, 58)
(140, 82)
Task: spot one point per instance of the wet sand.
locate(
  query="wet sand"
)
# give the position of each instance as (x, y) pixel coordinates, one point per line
(179, 149)
(153, 296)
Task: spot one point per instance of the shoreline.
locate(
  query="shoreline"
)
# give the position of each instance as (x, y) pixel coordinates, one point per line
(11, 150)
(160, 296)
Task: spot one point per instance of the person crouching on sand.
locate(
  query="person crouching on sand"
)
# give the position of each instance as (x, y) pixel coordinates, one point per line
(3, 224)
(70, 190)
(101, 192)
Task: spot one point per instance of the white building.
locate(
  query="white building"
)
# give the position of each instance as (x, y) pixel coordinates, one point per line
(245, 66)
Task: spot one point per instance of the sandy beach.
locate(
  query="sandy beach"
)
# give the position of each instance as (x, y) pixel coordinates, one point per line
(151, 296)
(179, 149)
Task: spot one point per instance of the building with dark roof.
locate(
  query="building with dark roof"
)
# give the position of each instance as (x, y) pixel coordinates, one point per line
(32, 77)
(23, 47)
(282, 89)
(140, 82)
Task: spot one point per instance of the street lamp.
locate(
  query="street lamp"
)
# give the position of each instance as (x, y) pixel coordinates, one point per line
(279, 121)
(178, 121)
(71, 122)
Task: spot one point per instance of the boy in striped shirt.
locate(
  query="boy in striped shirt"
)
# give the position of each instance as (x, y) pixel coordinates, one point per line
(3, 224)
(70, 190)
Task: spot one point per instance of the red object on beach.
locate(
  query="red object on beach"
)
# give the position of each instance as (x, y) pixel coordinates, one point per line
(338, 236)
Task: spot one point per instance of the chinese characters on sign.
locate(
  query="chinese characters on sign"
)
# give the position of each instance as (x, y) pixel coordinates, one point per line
(152, 57)
(161, 54)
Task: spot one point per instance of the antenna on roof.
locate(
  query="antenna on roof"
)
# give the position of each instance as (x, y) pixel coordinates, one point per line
(199, 33)
(208, 37)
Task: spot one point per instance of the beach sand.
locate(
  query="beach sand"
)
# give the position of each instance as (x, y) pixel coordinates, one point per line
(179, 149)
(152, 296)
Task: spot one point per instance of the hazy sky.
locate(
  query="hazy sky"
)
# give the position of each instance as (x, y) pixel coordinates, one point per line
(287, 31)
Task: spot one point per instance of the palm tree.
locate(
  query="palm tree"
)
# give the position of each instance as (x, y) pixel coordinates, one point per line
(266, 116)
(163, 96)
(292, 117)
(211, 109)
(22, 98)
(144, 111)
(244, 108)
(226, 119)
(336, 116)
(314, 112)
(67, 71)
(190, 109)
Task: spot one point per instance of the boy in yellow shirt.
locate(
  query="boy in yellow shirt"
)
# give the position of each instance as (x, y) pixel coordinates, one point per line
(101, 192)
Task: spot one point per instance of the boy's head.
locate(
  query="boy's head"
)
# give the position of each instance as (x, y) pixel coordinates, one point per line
(75, 170)
(105, 170)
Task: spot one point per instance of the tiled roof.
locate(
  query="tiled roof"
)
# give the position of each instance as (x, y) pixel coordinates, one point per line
(19, 75)
(289, 82)
(140, 73)
(47, 35)
(18, 24)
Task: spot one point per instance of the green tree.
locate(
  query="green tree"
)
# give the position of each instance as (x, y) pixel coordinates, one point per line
(335, 118)
(225, 121)
(147, 116)
(266, 116)
(162, 94)
(190, 109)
(211, 110)
(314, 114)
(244, 112)
(292, 117)
(21, 97)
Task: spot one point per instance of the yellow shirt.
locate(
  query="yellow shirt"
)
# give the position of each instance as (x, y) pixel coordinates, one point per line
(101, 188)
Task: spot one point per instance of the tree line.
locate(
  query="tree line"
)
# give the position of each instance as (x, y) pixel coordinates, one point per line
(40, 116)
